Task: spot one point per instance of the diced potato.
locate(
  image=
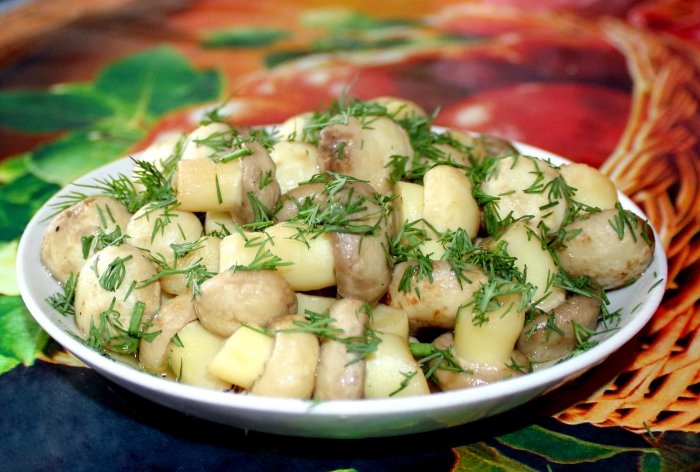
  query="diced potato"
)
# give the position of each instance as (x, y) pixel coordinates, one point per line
(536, 262)
(312, 265)
(593, 188)
(239, 248)
(190, 353)
(408, 205)
(313, 303)
(389, 320)
(205, 185)
(221, 222)
(448, 203)
(241, 360)
(295, 162)
(493, 341)
(391, 371)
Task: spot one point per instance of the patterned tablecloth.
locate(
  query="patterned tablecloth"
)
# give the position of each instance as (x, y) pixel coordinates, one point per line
(612, 84)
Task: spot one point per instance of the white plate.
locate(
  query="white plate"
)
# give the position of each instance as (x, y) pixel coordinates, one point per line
(336, 419)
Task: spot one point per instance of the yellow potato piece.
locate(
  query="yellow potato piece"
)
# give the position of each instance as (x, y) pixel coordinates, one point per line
(391, 371)
(448, 203)
(241, 360)
(493, 341)
(190, 355)
(205, 185)
(536, 263)
(593, 188)
(314, 303)
(312, 265)
(408, 205)
(239, 248)
(389, 320)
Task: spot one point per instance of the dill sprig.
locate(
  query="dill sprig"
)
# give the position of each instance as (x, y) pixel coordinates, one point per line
(431, 358)
(110, 335)
(323, 326)
(63, 301)
(343, 210)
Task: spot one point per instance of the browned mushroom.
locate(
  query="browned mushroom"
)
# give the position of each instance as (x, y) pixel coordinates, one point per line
(234, 297)
(340, 375)
(552, 336)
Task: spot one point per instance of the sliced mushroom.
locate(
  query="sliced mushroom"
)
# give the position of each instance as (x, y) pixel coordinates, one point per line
(61, 248)
(551, 336)
(474, 374)
(234, 297)
(612, 247)
(340, 374)
(290, 371)
(364, 149)
(433, 304)
(173, 315)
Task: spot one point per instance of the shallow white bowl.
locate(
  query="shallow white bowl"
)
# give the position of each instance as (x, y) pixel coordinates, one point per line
(336, 419)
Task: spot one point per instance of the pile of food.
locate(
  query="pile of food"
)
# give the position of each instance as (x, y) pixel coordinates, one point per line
(355, 252)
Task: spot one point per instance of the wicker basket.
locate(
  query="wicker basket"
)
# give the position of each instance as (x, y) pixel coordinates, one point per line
(657, 163)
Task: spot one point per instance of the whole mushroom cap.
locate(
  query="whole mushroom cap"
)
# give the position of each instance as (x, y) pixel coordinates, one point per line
(233, 297)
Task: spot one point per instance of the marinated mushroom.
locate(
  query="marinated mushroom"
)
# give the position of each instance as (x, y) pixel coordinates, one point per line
(157, 230)
(433, 303)
(358, 226)
(290, 371)
(233, 297)
(110, 289)
(364, 150)
(361, 266)
(469, 374)
(258, 183)
(612, 247)
(94, 218)
(173, 315)
(341, 373)
(306, 194)
(521, 186)
(485, 145)
(550, 336)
